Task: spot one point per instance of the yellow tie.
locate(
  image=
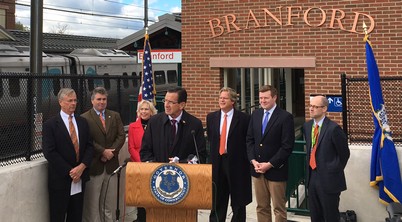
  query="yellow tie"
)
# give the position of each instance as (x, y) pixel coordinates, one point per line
(313, 163)
(73, 136)
(102, 120)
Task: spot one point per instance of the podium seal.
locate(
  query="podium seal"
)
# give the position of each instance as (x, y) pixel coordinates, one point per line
(169, 184)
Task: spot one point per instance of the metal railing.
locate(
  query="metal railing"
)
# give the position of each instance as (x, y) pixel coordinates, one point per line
(357, 115)
(28, 100)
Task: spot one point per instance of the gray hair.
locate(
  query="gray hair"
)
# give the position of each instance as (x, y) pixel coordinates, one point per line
(98, 90)
(65, 92)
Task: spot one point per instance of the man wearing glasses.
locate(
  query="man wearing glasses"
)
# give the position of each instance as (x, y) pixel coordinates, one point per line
(327, 155)
(169, 135)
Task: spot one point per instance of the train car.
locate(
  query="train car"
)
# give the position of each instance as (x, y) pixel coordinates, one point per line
(81, 62)
(86, 62)
(14, 109)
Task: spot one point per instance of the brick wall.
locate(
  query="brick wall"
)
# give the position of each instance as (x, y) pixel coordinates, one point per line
(9, 6)
(336, 51)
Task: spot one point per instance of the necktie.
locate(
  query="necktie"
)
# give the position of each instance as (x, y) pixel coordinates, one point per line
(313, 163)
(102, 120)
(173, 129)
(265, 122)
(73, 136)
(222, 143)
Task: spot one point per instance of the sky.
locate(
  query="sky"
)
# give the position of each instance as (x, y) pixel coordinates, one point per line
(99, 18)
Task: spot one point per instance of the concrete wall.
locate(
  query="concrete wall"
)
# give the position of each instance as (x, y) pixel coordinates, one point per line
(23, 190)
(359, 196)
(24, 197)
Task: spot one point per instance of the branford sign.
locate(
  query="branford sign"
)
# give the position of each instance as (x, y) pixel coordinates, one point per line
(287, 16)
(162, 56)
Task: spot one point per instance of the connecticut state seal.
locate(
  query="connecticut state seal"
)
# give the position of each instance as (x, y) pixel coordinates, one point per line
(169, 184)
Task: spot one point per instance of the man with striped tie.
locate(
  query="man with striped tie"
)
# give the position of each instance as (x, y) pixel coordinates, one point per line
(108, 136)
(327, 155)
(67, 146)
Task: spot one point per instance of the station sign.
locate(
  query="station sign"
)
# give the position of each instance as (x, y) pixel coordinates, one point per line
(162, 55)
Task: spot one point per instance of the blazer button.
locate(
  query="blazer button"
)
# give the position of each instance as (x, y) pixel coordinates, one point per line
(260, 144)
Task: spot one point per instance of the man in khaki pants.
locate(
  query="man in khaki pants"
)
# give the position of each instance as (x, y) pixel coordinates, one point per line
(108, 136)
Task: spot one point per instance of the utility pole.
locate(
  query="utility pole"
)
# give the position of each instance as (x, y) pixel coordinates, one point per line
(145, 13)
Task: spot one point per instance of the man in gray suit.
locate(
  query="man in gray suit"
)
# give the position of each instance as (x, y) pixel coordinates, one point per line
(108, 135)
(327, 155)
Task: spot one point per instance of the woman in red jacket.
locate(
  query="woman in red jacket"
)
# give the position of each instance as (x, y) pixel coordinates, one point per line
(145, 110)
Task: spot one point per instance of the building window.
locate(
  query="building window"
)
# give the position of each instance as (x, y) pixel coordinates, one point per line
(3, 17)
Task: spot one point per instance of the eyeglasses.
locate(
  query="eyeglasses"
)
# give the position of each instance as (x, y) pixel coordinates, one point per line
(169, 102)
(316, 107)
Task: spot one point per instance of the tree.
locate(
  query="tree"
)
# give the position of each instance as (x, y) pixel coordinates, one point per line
(60, 29)
(20, 26)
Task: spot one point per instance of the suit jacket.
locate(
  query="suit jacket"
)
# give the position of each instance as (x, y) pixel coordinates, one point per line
(60, 154)
(274, 146)
(158, 147)
(239, 173)
(111, 138)
(135, 134)
(331, 156)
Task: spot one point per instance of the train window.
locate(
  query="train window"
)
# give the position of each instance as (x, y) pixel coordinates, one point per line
(160, 77)
(14, 87)
(135, 80)
(106, 82)
(125, 81)
(172, 76)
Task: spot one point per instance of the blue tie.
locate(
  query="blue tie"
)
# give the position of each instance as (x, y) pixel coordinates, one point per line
(265, 121)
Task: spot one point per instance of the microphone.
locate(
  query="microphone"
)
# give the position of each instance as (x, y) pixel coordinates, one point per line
(192, 159)
(175, 159)
(196, 147)
(121, 167)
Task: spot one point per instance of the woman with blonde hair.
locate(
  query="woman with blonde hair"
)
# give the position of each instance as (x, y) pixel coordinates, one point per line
(145, 110)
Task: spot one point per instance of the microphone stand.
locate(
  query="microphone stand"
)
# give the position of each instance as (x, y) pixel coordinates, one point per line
(118, 196)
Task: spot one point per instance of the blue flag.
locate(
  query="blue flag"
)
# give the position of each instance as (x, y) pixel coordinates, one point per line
(384, 169)
(148, 90)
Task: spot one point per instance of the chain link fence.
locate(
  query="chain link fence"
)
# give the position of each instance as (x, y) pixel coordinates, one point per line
(28, 100)
(359, 119)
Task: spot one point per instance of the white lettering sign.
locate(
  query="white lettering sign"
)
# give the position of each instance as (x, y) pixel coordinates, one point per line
(162, 56)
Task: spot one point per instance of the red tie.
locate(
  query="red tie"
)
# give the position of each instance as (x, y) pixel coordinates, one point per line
(313, 163)
(102, 120)
(73, 136)
(173, 129)
(222, 143)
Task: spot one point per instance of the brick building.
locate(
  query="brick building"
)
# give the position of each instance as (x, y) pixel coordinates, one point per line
(7, 11)
(299, 46)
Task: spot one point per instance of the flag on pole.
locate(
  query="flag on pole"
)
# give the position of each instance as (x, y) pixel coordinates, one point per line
(384, 170)
(147, 89)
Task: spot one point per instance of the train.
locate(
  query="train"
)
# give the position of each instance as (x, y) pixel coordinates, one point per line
(15, 60)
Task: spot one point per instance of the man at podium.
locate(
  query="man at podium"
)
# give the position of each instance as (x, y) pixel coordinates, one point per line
(175, 135)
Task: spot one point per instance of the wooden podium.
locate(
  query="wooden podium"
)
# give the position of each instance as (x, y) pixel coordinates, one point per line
(142, 183)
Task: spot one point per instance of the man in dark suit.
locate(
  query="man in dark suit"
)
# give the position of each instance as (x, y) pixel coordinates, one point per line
(67, 146)
(326, 161)
(108, 136)
(227, 130)
(169, 135)
(270, 140)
